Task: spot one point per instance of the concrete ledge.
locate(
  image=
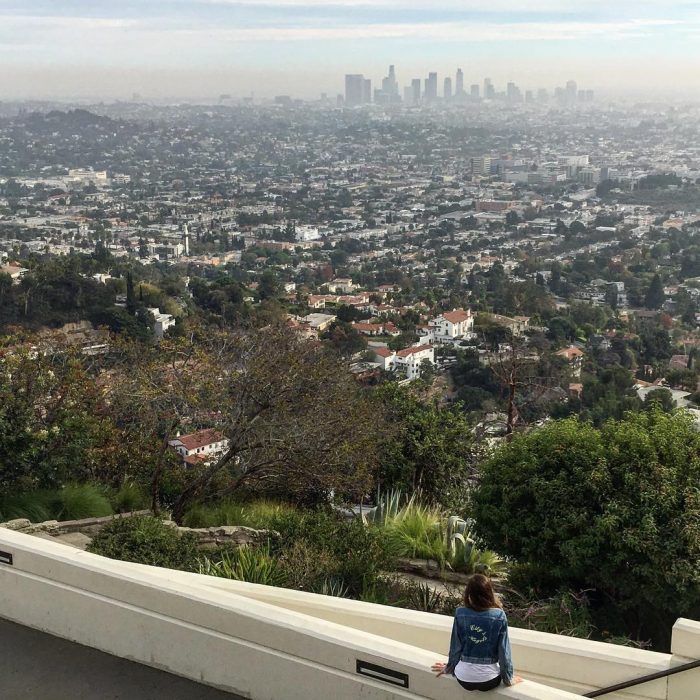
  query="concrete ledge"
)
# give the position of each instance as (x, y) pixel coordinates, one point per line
(219, 638)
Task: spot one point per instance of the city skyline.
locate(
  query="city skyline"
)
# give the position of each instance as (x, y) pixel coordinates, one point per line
(303, 47)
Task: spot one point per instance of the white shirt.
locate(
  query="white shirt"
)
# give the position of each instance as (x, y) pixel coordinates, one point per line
(476, 673)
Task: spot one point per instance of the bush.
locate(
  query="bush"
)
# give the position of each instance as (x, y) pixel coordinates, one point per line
(257, 514)
(417, 531)
(72, 502)
(129, 498)
(146, 540)
(615, 509)
(81, 501)
(307, 568)
(36, 507)
(359, 552)
(245, 564)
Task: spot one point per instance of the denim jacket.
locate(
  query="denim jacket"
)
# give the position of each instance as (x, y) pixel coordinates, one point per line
(481, 638)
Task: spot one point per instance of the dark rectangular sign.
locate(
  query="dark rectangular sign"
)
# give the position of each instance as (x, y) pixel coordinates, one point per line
(364, 668)
(5, 558)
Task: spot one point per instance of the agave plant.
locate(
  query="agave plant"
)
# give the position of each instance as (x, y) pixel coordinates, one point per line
(466, 557)
(334, 587)
(387, 508)
(425, 598)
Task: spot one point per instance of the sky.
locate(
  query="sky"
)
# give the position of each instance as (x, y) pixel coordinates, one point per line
(169, 49)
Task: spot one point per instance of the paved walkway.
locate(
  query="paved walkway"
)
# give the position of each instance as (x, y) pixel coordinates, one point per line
(37, 666)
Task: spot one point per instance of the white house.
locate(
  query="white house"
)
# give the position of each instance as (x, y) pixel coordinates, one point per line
(407, 360)
(162, 322)
(307, 233)
(202, 446)
(453, 325)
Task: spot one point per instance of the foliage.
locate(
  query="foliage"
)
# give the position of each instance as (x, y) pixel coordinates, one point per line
(73, 502)
(78, 501)
(615, 509)
(566, 613)
(53, 423)
(347, 549)
(146, 540)
(431, 448)
(659, 398)
(128, 498)
(416, 531)
(245, 564)
(258, 514)
(296, 422)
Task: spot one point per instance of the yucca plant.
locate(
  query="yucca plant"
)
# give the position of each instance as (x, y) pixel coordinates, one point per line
(246, 564)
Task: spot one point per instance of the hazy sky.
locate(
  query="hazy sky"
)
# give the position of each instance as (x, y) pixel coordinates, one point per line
(200, 48)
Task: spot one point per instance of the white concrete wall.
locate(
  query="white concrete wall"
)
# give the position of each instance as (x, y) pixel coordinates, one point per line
(218, 637)
(568, 663)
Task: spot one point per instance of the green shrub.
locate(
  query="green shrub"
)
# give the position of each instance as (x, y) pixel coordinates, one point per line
(359, 552)
(36, 507)
(245, 564)
(129, 498)
(417, 531)
(146, 540)
(72, 502)
(80, 501)
(306, 567)
(256, 514)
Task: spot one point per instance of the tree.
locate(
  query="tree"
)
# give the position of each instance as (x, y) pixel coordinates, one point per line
(55, 425)
(130, 295)
(611, 296)
(615, 509)
(428, 447)
(296, 421)
(659, 399)
(344, 338)
(655, 295)
(270, 287)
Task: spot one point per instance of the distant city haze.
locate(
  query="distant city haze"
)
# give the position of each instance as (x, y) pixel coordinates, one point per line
(199, 49)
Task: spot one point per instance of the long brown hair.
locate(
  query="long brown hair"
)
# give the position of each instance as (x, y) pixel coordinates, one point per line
(479, 594)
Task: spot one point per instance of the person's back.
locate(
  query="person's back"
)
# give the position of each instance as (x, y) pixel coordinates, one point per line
(480, 654)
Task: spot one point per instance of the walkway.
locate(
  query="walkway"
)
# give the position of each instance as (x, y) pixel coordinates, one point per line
(37, 666)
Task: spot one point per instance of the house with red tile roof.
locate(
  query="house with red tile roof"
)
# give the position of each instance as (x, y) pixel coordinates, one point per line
(202, 446)
(457, 324)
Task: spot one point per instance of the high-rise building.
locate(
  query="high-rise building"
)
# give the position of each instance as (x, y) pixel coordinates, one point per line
(431, 89)
(415, 90)
(481, 166)
(571, 91)
(447, 89)
(366, 91)
(513, 93)
(459, 83)
(390, 89)
(354, 89)
(489, 90)
(474, 92)
(542, 95)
